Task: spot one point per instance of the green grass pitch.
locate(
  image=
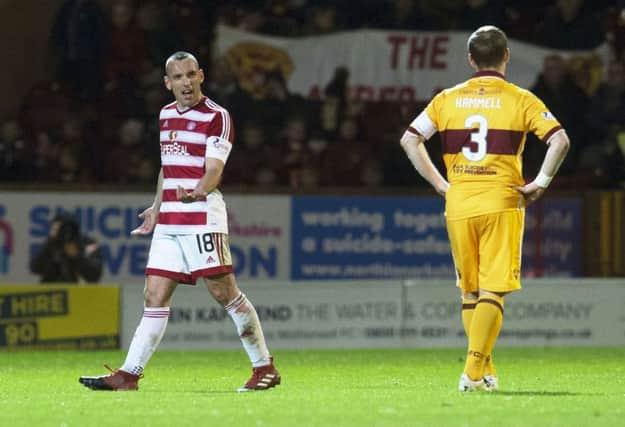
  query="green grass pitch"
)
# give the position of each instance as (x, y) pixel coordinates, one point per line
(408, 387)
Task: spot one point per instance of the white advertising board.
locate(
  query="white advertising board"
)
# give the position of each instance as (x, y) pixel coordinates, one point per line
(390, 314)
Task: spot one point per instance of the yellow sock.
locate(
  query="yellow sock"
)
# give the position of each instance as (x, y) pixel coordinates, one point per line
(489, 366)
(468, 308)
(496, 301)
(489, 369)
(485, 327)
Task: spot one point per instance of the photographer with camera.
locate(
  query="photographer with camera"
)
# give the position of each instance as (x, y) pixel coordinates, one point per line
(67, 256)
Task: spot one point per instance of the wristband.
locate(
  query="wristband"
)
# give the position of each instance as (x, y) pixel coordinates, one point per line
(542, 180)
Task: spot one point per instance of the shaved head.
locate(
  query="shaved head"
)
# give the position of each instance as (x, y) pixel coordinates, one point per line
(184, 77)
(179, 56)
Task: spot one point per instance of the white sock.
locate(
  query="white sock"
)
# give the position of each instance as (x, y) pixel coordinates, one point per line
(245, 318)
(147, 337)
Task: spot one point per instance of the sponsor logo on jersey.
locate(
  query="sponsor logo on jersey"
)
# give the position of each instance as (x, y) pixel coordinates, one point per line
(174, 149)
(547, 115)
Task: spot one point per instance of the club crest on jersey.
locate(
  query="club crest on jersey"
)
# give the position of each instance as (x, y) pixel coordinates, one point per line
(173, 136)
(191, 125)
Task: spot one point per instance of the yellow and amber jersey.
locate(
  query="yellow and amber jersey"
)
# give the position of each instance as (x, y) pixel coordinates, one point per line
(483, 124)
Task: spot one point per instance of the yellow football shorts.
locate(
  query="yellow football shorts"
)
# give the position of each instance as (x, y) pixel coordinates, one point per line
(487, 251)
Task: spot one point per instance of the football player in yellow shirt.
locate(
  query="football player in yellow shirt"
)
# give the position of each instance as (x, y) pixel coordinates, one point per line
(483, 123)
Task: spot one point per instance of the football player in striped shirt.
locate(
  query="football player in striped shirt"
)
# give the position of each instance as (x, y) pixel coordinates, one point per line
(189, 221)
(483, 123)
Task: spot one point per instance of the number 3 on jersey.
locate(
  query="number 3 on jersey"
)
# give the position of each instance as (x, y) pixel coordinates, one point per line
(478, 137)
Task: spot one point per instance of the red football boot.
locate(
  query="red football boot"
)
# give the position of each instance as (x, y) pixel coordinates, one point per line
(263, 378)
(116, 380)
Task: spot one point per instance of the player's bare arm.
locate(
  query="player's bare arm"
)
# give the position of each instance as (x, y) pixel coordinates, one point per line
(418, 155)
(150, 215)
(558, 147)
(208, 182)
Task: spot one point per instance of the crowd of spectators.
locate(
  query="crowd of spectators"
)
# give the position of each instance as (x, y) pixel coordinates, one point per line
(96, 121)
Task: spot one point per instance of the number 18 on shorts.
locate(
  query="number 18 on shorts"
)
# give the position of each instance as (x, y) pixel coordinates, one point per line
(186, 257)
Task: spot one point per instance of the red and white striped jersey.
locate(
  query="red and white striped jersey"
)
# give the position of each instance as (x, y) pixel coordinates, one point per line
(187, 139)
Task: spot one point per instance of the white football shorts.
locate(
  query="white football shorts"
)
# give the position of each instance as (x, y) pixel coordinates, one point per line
(186, 257)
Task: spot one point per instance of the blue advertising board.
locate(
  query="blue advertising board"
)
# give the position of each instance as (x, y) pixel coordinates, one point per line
(553, 238)
(405, 237)
(293, 237)
(369, 237)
